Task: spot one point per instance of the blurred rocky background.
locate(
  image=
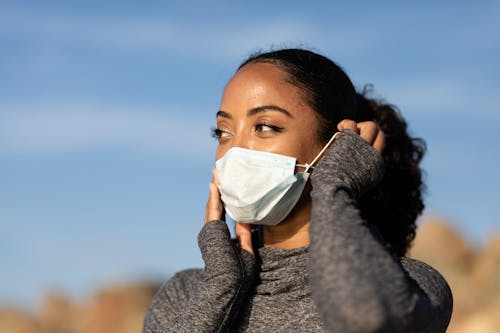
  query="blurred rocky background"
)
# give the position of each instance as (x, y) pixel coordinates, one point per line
(115, 309)
(472, 272)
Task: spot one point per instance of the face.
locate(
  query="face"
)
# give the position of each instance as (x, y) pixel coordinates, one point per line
(260, 110)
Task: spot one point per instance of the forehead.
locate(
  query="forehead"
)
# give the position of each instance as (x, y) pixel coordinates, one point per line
(262, 83)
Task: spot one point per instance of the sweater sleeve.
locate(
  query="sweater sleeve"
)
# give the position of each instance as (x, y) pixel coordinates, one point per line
(357, 285)
(204, 300)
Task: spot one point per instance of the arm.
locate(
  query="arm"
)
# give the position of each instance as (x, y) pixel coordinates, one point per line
(205, 300)
(356, 284)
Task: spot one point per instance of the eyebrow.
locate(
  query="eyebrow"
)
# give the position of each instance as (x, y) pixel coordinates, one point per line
(223, 114)
(258, 109)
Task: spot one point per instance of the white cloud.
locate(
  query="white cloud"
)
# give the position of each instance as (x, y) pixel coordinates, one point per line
(62, 128)
(217, 41)
(102, 31)
(430, 95)
(441, 96)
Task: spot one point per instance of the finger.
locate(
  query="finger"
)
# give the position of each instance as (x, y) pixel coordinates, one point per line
(368, 130)
(379, 142)
(348, 124)
(214, 208)
(244, 236)
(215, 179)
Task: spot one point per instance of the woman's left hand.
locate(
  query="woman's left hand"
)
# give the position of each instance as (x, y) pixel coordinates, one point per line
(354, 159)
(368, 130)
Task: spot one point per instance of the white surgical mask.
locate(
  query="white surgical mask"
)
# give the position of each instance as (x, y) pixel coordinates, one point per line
(259, 187)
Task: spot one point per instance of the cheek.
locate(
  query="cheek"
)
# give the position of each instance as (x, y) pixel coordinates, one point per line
(221, 150)
(305, 144)
(295, 145)
(306, 151)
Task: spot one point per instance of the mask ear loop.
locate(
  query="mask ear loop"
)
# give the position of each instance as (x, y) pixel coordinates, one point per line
(308, 166)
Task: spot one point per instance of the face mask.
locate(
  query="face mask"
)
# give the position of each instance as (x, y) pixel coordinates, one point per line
(259, 187)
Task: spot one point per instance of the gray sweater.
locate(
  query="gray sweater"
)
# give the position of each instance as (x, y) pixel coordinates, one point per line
(345, 281)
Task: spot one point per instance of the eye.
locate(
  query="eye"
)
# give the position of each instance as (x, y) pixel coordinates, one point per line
(218, 134)
(267, 128)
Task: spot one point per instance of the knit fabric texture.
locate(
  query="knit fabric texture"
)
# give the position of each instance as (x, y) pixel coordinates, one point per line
(344, 281)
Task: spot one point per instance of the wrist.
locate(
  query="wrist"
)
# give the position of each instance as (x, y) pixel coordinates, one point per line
(349, 162)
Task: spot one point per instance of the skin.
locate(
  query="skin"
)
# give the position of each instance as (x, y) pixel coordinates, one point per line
(260, 110)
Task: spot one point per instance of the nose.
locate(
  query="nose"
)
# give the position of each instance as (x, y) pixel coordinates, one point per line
(242, 141)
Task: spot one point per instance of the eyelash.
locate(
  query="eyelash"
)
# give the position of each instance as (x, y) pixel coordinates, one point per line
(217, 133)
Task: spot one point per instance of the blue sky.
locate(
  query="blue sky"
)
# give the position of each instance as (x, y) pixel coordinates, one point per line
(105, 111)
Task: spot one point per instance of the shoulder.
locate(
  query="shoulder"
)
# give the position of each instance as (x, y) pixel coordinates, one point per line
(170, 299)
(178, 288)
(426, 276)
(181, 283)
(434, 286)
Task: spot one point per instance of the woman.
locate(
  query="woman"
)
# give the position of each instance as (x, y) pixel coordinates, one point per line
(322, 231)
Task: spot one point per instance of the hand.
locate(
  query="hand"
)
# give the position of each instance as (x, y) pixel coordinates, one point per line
(244, 236)
(353, 159)
(215, 211)
(368, 130)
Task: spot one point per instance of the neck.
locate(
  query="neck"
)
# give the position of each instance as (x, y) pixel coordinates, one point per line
(293, 232)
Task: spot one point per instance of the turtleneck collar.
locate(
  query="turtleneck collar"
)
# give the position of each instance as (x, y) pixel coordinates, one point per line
(283, 272)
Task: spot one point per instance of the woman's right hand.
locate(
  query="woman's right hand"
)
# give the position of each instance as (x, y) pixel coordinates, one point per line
(227, 276)
(214, 209)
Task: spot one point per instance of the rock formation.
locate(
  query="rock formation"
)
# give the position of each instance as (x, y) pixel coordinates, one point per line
(473, 275)
(115, 309)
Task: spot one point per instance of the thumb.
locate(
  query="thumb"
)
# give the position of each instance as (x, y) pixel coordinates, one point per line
(244, 236)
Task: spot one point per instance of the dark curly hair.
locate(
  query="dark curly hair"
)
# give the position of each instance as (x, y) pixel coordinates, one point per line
(395, 203)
